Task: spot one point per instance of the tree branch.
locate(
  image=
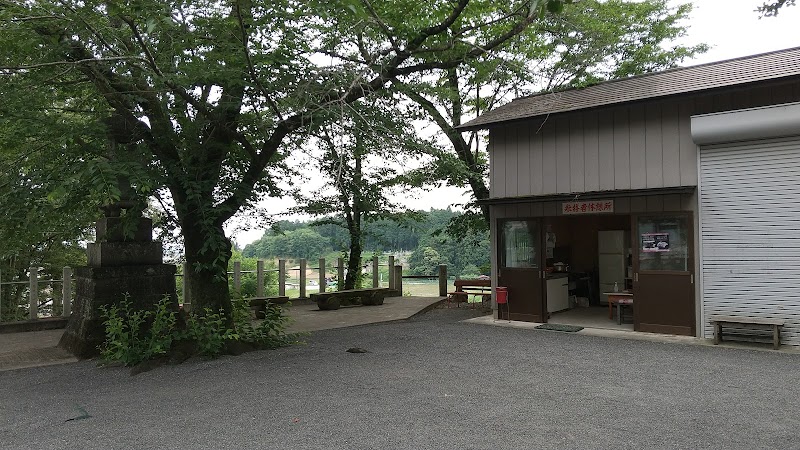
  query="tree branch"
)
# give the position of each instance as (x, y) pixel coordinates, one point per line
(73, 63)
(250, 67)
(90, 28)
(381, 24)
(356, 91)
(150, 59)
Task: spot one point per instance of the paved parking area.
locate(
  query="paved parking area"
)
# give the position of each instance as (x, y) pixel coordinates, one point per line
(431, 382)
(40, 348)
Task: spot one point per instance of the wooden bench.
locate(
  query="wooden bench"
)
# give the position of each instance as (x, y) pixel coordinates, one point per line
(351, 297)
(258, 305)
(467, 287)
(775, 324)
(462, 295)
(457, 296)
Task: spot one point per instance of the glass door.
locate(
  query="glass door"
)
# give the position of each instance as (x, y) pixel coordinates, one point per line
(663, 282)
(521, 263)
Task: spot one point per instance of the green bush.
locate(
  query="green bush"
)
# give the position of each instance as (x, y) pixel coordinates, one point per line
(209, 331)
(269, 333)
(128, 338)
(133, 337)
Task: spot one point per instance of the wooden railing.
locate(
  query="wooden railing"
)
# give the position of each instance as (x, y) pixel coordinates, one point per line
(64, 301)
(395, 276)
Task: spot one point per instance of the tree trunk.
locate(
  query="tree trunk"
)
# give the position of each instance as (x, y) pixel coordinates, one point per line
(208, 251)
(354, 261)
(353, 217)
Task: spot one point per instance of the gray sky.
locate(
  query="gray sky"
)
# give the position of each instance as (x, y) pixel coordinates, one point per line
(732, 29)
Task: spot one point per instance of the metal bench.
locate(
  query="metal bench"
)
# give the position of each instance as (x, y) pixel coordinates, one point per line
(775, 324)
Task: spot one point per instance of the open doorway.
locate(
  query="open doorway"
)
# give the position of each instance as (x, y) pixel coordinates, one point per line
(586, 259)
(617, 271)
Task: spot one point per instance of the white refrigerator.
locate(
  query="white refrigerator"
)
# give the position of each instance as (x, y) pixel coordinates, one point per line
(611, 247)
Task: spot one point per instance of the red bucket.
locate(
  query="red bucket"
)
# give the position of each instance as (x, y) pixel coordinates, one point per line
(501, 294)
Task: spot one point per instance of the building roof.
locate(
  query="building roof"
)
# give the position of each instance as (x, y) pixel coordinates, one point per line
(681, 80)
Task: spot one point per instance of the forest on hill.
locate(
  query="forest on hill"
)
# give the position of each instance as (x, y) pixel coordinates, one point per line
(421, 238)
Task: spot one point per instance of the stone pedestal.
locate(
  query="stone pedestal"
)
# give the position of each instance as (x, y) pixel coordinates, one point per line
(116, 268)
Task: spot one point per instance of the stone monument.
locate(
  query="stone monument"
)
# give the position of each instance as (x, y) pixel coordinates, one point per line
(123, 262)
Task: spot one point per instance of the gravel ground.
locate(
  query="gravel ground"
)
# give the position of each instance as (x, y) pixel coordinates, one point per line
(431, 382)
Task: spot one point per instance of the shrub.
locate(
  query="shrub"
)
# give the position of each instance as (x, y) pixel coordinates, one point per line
(133, 337)
(269, 333)
(210, 332)
(129, 339)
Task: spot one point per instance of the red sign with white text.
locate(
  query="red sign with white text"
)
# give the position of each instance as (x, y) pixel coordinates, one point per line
(588, 207)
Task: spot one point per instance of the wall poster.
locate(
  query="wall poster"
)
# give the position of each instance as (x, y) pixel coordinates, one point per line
(655, 242)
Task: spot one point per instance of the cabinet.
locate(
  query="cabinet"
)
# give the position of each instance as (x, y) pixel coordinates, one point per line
(557, 294)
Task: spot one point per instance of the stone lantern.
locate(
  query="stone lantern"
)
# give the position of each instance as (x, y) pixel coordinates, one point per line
(124, 261)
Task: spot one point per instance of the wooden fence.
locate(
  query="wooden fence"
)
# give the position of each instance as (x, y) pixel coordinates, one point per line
(395, 275)
(64, 301)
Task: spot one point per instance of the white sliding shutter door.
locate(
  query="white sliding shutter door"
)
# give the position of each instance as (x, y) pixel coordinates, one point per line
(750, 231)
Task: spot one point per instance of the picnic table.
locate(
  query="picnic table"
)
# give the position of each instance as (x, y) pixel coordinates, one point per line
(467, 287)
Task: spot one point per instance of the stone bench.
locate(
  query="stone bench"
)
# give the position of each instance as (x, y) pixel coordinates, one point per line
(351, 297)
(775, 324)
(457, 297)
(258, 305)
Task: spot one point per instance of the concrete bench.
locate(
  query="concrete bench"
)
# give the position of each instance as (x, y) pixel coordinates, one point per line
(775, 324)
(351, 297)
(258, 305)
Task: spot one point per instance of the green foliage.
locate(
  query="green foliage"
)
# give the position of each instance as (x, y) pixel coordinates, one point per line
(458, 239)
(50, 257)
(47, 211)
(595, 41)
(382, 235)
(455, 245)
(133, 336)
(249, 281)
(574, 44)
(470, 271)
(209, 331)
(269, 333)
(213, 96)
(300, 243)
(425, 261)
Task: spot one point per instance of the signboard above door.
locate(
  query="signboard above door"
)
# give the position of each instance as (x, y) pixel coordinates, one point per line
(587, 207)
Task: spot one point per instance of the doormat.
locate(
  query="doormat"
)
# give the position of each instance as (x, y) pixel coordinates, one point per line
(557, 327)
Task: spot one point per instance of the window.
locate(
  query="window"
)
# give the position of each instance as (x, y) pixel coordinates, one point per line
(520, 241)
(664, 243)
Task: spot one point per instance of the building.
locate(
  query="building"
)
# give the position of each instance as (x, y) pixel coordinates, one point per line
(695, 171)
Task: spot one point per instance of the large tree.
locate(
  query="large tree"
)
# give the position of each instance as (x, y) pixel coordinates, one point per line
(362, 156)
(588, 42)
(212, 93)
(48, 197)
